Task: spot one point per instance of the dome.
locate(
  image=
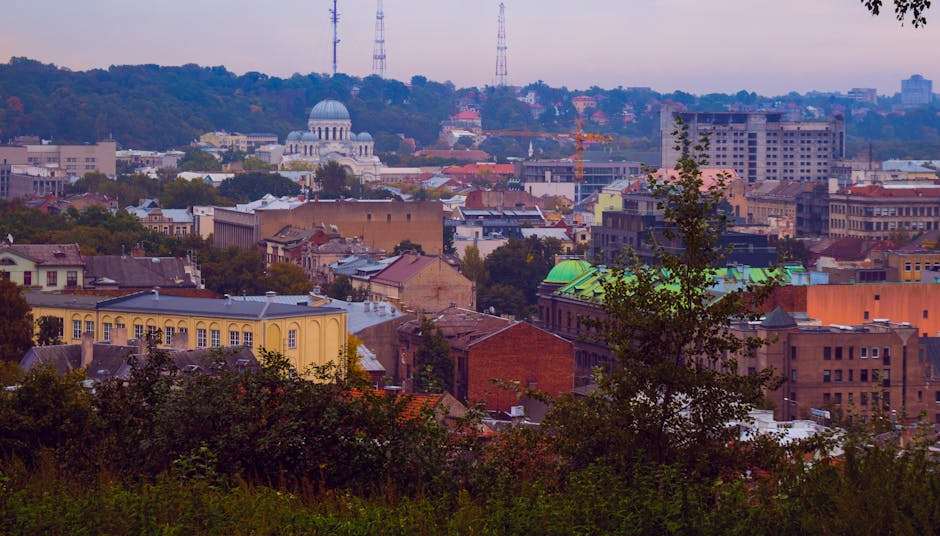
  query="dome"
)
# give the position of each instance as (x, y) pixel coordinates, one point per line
(294, 136)
(567, 271)
(365, 136)
(308, 136)
(329, 110)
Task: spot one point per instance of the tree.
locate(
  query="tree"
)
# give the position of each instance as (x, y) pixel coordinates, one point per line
(406, 246)
(50, 329)
(674, 384)
(16, 322)
(521, 265)
(341, 288)
(196, 159)
(433, 361)
(255, 185)
(331, 178)
(182, 193)
(287, 278)
(916, 9)
(471, 266)
(356, 376)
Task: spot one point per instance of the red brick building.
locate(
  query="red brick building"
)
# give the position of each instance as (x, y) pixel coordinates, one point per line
(487, 348)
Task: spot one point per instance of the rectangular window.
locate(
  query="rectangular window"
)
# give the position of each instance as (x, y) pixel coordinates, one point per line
(76, 329)
(183, 330)
(201, 338)
(827, 376)
(863, 375)
(292, 338)
(52, 279)
(28, 280)
(168, 335)
(138, 331)
(233, 338)
(863, 352)
(89, 326)
(863, 398)
(838, 398)
(837, 375)
(838, 353)
(851, 353)
(937, 397)
(71, 279)
(827, 353)
(874, 352)
(851, 375)
(216, 338)
(793, 352)
(886, 355)
(106, 331)
(793, 375)
(826, 397)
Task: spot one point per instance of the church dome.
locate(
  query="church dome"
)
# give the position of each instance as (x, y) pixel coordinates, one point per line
(567, 271)
(308, 136)
(365, 136)
(294, 136)
(329, 110)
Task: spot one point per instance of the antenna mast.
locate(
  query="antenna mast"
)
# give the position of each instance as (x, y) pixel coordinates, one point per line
(378, 51)
(334, 18)
(501, 69)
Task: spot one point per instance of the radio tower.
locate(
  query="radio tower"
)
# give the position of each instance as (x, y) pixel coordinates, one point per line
(378, 51)
(501, 70)
(334, 18)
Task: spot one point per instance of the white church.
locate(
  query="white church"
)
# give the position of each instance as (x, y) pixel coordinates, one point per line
(329, 137)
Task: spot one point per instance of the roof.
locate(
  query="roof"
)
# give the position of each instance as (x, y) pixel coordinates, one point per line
(567, 270)
(72, 301)
(881, 190)
(778, 319)
(557, 233)
(138, 272)
(47, 254)
(469, 155)
(461, 327)
(360, 315)
(466, 115)
(329, 110)
(403, 269)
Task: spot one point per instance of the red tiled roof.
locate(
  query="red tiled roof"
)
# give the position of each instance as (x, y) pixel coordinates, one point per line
(467, 115)
(878, 190)
(415, 404)
(480, 169)
(461, 327)
(470, 155)
(406, 267)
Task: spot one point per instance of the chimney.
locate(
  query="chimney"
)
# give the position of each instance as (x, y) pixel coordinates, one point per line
(180, 341)
(270, 295)
(88, 349)
(228, 299)
(156, 294)
(119, 336)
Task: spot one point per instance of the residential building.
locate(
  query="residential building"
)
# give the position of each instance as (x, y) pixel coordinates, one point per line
(910, 266)
(420, 283)
(878, 210)
(136, 159)
(168, 221)
(760, 145)
(864, 94)
(235, 141)
(916, 91)
(597, 174)
(307, 336)
(140, 273)
(43, 267)
(487, 349)
(74, 160)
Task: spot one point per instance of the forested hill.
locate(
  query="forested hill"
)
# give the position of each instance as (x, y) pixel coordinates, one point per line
(154, 107)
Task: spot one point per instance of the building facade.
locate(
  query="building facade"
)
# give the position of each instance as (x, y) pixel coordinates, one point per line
(44, 267)
(760, 145)
(597, 175)
(329, 138)
(880, 210)
(916, 91)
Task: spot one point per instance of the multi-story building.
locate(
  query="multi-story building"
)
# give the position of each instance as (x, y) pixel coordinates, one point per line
(420, 283)
(43, 266)
(878, 210)
(916, 91)
(235, 141)
(307, 336)
(149, 159)
(864, 94)
(760, 145)
(597, 175)
(168, 221)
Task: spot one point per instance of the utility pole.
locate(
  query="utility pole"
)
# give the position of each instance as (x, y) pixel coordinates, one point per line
(378, 51)
(334, 18)
(502, 71)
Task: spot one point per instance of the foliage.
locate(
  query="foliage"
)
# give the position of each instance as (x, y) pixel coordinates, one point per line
(196, 159)
(407, 246)
(234, 271)
(182, 193)
(903, 8)
(341, 288)
(331, 178)
(16, 322)
(127, 190)
(49, 328)
(287, 278)
(356, 376)
(250, 186)
(433, 361)
(793, 250)
(674, 384)
(515, 270)
(471, 266)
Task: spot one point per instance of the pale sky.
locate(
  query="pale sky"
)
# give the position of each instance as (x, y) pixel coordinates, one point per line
(699, 46)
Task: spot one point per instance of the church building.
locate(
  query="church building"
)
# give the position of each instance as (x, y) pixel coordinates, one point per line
(329, 137)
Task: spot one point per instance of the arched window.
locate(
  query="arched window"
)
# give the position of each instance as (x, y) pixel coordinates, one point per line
(334, 133)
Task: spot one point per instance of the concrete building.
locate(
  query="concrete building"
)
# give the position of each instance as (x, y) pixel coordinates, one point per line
(24, 181)
(916, 91)
(75, 160)
(235, 141)
(597, 175)
(760, 145)
(308, 336)
(878, 210)
(149, 159)
(910, 266)
(329, 138)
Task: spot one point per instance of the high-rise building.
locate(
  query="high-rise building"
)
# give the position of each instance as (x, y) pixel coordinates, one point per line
(916, 91)
(759, 145)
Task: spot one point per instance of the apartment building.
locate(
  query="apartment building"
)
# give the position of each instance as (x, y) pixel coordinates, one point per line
(878, 210)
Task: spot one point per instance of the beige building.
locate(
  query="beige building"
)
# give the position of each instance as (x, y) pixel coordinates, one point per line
(43, 266)
(235, 141)
(420, 283)
(878, 210)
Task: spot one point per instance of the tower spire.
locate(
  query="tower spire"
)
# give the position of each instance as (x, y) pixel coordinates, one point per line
(501, 70)
(378, 51)
(334, 18)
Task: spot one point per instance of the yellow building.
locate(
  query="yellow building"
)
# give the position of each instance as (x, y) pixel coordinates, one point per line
(43, 266)
(308, 336)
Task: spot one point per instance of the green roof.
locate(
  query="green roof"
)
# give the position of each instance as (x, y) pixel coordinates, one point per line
(567, 271)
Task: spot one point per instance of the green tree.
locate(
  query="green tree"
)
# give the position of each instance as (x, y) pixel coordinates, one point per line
(675, 384)
(331, 178)
(471, 266)
(50, 327)
(433, 361)
(287, 278)
(406, 246)
(341, 288)
(196, 159)
(254, 185)
(16, 322)
(521, 265)
(182, 193)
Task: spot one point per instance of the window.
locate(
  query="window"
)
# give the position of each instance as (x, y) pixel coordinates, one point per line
(792, 376)
(863, 352)
(827, 353)
(886, 355)
(925, 310)
(827, 376)
(838, 398)
(201, 338)
(863, 375)
(52, 279)
(248, 337)
(76, 329)
(886, 399)
(837, 375)
(168, 334)
(863, 399)
(138, 331)
(388, 218)
(106, 331)
(851, 353)
(28, 281)
(89, 326)
(877, 297)
(874, 352)
(292, 338)
(233, 338)
(865, 315)
(851, 375)
(826, 397)
(71, 278)
(216, 338)
(838, 353)
(937, 397)
(793, 352)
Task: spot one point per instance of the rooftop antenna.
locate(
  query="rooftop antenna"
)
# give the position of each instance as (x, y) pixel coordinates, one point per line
(378, 51)
(334, 18)
(501, 70)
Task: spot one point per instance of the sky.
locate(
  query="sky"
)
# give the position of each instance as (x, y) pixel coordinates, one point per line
(699, 46)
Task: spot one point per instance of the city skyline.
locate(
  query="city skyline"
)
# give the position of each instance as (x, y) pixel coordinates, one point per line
(838, 46)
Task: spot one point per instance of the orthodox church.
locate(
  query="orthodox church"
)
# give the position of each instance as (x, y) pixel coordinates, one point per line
(329, 137)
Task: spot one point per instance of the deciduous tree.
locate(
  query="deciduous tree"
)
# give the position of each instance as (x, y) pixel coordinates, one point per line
(16, 322)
